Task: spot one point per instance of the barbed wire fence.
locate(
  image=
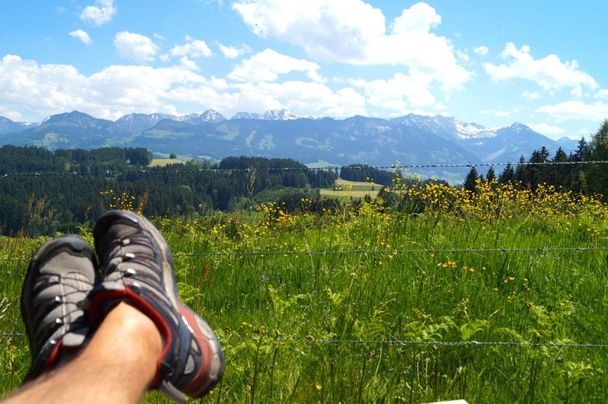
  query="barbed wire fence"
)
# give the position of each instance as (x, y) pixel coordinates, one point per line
(362, 251)
(175, 169)
(388, 342)
(282, 340)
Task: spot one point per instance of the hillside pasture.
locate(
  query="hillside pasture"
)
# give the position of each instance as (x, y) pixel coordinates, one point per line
(344, 189)
(164, 162)
(498, 296)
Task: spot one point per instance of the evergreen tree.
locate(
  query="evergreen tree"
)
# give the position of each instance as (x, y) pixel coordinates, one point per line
(596, 175)
(491, 174)
(582, 151)
(521, 172)
(559, 174)
(507, 175)
(470, 182)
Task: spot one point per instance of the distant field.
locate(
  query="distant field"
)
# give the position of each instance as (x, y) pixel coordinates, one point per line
(359, 184)
(164, 162)
(348, 194)
(353, 189)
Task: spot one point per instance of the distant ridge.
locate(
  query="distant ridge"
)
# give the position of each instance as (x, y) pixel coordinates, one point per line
(409, 139)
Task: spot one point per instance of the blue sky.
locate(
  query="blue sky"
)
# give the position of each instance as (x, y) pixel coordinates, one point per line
(542, 63)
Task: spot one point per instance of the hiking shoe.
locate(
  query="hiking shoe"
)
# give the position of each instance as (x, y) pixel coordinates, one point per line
(137, 267)
(60, 275)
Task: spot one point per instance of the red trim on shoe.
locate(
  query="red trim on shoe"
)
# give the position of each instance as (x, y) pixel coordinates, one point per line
(135, 300)
(200, 380)
(53, 358)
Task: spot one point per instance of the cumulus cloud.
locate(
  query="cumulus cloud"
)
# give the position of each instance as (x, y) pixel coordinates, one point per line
(136, 47)
(233, 52)
(353, 31)
(496, 112)
(38, 90)
(547, 129)
(401, 93)
(303, 97)
(10, 114)
(531, 95)
(576, 110)
(100, 13)
(81, 35)
(550, 73)
(193, 48)
(481, 50)
(269, 64)
(602, 94)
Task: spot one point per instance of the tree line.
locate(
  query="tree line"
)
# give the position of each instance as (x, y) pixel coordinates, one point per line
(43, 192)
(577, 172)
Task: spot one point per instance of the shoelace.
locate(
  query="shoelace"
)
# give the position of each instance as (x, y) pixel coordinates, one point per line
(42, 311)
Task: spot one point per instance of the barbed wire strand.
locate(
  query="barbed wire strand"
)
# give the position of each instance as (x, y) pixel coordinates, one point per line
(394, 342)
(359, 251)
(175, 170)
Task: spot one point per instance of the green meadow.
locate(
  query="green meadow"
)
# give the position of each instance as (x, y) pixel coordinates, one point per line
(495, 297)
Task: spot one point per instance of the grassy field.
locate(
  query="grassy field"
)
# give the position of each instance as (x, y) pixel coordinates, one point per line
(344, 189)
(164, 162)
(459, 301)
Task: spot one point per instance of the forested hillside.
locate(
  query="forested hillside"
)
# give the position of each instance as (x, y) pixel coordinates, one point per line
(43, 192)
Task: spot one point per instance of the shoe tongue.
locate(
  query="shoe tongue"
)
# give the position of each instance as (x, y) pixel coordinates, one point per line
(64, 263)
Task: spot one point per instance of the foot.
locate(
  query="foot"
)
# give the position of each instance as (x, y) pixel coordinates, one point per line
(59, 277)
(137, 267)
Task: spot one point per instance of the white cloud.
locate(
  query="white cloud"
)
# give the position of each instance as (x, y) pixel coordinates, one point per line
(193, 48)
(38, 90)
(99, 14)
(602, 94)
(10, 114)
(496, 112)
(189, 63)
(304, 98)
(136, 47)
(233, 52)
(402, 93)
(353, 31)
(531, 95)
(547, 129)
(481, 50)
(269, 64)
(462, 55)
(550, 73)
(81, 35)
(576, 110)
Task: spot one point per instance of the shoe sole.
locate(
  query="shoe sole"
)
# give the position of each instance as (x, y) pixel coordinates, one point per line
(212, 369)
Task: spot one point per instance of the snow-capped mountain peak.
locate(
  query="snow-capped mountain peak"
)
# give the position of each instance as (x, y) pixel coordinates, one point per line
(210, 116)
(247, 115)
(279, 115)
(465, 130)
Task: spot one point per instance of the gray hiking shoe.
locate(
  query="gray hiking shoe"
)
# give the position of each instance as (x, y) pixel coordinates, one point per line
(60, 275)
(137, 267)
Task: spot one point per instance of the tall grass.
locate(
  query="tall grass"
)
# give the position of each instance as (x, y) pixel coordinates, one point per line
(301, 326)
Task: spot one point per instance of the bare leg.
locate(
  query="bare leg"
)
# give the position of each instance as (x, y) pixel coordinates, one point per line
(116, 367)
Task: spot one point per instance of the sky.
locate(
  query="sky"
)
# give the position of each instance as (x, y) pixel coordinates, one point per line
(542, 63)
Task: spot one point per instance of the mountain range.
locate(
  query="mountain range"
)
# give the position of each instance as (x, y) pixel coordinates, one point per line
(410, 139)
